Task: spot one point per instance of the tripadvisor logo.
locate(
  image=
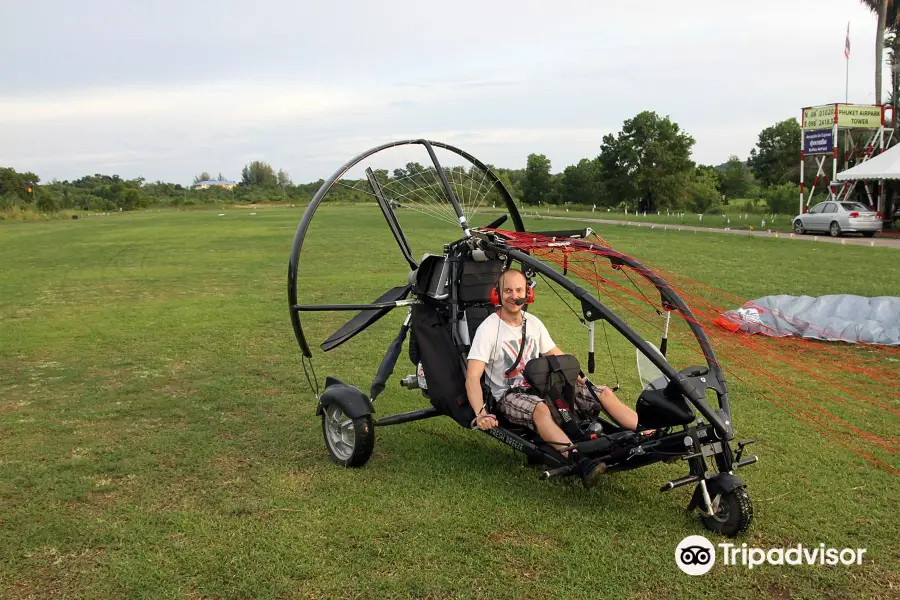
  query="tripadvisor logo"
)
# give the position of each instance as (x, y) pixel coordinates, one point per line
(696, 555)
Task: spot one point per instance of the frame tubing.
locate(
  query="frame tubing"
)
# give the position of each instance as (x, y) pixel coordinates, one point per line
(324, 307)
(686, 388)
(407, 417)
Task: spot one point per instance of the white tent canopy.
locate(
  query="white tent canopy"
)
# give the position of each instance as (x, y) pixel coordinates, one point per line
(884, 166)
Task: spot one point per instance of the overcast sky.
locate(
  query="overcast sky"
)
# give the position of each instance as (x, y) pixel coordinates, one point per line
(167, 89)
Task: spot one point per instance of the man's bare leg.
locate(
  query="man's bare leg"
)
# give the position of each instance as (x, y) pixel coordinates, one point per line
(548, 429)
(623, 415)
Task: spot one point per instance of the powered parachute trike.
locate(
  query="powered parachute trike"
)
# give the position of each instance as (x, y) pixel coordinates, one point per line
(446, 295)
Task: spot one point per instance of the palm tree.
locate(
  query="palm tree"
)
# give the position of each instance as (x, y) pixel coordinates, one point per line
(892, 43)
(887, 11)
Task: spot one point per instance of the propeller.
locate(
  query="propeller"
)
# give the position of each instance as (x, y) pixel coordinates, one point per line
(391, 219)
(365, 318)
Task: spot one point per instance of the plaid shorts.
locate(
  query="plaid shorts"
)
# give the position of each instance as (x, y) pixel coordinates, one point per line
(518, 407)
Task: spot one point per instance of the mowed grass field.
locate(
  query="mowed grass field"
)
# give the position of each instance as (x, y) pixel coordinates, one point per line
(730, 217)
(158, 437)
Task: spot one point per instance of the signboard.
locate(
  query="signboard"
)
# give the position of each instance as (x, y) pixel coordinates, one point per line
(848, 115)
(818, 117)
(818, 142)
(859, 116)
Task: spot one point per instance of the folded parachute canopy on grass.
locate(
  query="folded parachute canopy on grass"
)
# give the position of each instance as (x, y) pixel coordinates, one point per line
(837, 317)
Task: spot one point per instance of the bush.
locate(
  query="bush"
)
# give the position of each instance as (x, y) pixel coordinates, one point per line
(704, 195)
(18, 212)
(8, 200)
(101, 204)
(747, 205)
(46, 202)
(782, 199)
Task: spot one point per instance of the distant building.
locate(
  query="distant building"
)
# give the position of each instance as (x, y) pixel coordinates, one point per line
(202, 185)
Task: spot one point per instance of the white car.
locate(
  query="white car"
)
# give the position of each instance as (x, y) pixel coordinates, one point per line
(838, 218)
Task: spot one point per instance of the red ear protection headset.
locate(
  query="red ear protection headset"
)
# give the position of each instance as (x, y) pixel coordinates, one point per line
(495, 294)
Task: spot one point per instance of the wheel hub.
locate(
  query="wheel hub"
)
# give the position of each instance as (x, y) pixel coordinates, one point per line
(339, 432)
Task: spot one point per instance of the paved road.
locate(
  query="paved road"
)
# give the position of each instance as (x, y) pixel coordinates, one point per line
(883, 242)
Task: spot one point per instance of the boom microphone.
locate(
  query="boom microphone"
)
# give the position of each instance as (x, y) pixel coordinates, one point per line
(520, 301)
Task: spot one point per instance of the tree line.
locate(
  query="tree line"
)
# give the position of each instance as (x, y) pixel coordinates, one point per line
(646, 166)
(259, 183)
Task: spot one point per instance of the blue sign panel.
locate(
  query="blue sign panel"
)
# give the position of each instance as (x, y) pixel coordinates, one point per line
(819, 141)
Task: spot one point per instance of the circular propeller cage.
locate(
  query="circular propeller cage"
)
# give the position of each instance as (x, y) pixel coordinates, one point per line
(421, 193)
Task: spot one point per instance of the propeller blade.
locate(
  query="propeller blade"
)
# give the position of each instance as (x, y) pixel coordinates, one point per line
(364, 318)
(497, 222)
(391, 219)
(446, 185)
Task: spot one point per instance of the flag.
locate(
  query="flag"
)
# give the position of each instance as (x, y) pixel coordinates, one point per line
(847, 43)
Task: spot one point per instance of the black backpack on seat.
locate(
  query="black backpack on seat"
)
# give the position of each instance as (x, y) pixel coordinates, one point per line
(554, 378)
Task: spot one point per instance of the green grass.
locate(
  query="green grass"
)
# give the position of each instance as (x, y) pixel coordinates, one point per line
(158, 436)
(730, 217)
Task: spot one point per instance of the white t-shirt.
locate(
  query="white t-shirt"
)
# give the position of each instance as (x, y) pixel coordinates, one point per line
(497, 344)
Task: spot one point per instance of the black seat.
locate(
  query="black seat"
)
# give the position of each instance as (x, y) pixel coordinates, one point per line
(477, 278)
(475, 316)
